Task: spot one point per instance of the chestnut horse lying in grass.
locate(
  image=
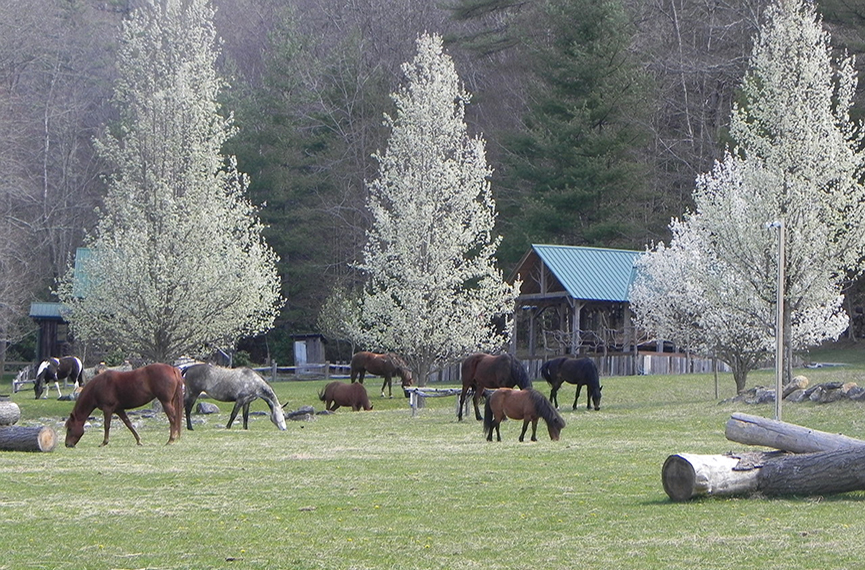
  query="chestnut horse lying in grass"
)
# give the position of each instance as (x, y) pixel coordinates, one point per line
(528, 405)
(338, 394)
(115, 392)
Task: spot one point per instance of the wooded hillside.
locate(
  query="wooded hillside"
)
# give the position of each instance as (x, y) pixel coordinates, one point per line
(597, 117)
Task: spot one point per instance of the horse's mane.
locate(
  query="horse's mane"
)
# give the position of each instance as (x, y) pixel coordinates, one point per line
(545, 409)
(398, 363)
(518, 372)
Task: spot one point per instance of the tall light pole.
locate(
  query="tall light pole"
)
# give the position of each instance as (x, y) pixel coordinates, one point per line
(779, 321)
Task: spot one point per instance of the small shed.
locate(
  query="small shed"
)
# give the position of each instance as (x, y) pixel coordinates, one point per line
(308, 349)
(574, 300)
(53, 337)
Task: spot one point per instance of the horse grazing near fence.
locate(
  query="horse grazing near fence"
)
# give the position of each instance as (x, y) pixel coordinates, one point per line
(385, 365)
(579, 371)
(527, 405)
(54, 369)
(338, 394)
(238, 385)
(481, 371)
(115, 392)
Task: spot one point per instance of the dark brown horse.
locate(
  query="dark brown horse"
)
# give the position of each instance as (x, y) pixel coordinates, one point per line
(385, 365)
(115, 392)
(579, 371)
(338, 394)
(482, 371)
(54, 369)
(528, 405)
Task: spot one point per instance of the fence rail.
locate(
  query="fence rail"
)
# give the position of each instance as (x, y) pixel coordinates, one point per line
(609, 365)
(13, 366)
(326, 370)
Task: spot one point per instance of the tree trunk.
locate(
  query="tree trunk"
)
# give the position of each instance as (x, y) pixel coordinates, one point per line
(755, 430)
(10, 413)
(824, 473)
(686, 476)
(740, 374)
(20, 438)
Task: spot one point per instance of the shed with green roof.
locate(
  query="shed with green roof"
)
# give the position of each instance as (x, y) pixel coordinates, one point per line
(574, 299)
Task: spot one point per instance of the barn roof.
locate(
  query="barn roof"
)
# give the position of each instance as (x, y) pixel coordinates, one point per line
(45, 311)
(585, 273)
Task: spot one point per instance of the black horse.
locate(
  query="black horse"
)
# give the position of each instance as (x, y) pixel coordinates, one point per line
(579, 371)
(54, 369)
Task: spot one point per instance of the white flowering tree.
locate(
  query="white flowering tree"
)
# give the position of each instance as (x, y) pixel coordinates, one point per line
(177, 262)
(799, 159)
(433, 293)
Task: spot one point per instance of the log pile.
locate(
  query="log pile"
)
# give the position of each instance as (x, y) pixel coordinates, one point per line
(805, 462)
(21, 438)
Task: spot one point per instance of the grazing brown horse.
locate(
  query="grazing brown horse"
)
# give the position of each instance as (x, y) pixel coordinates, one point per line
(481, 371)
(338, 394)
(386, 365)
(527, 405)
(115, 392)
(579, 371)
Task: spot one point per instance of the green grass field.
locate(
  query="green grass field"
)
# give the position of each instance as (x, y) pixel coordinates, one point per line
(383, 489)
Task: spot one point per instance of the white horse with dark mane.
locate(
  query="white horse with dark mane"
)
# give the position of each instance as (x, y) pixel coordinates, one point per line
(238, 385)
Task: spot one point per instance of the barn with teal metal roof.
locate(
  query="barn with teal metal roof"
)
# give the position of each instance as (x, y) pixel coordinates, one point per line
(574, 299)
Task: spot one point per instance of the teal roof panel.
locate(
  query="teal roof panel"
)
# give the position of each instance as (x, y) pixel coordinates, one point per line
(47, 310)
(82, 281)
(591, 273)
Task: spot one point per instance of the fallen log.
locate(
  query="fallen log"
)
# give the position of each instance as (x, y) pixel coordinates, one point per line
(755, 430)
(686, 476)
(21, 438)
(10, 413)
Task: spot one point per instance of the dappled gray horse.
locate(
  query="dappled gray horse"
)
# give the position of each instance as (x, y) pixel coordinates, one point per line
(238, 385)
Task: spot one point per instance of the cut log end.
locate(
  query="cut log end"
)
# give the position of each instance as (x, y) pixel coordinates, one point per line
(10, 413)
(21, 438)
(679, 478)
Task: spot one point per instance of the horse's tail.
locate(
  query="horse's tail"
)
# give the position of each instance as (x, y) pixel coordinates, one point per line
(545, 409)
(79, 373)
(488, 417)
(545, 372)
(321, 395)
(177, 402)
(519, 374)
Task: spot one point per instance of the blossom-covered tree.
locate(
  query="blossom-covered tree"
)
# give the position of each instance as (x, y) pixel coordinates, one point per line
(433, 293)
(177, 262)
(799, 159)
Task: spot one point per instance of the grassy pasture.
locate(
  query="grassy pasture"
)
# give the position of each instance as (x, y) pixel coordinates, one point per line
(383, 489)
